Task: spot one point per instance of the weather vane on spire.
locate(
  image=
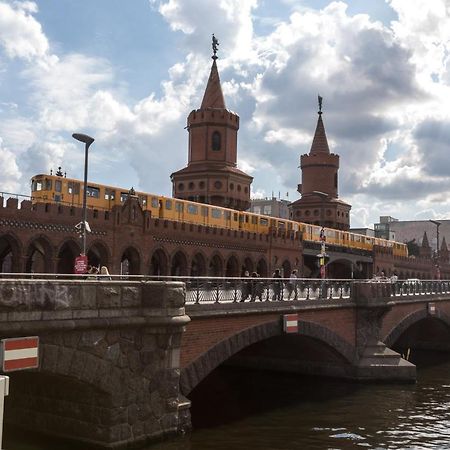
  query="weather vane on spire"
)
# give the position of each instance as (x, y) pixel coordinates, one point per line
(215, 44)
(320, 103)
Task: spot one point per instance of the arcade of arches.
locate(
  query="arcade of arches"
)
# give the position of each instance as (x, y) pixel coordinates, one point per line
(40, 256)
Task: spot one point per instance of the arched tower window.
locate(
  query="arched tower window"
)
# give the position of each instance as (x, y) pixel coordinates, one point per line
(216, 141)
(335, 180)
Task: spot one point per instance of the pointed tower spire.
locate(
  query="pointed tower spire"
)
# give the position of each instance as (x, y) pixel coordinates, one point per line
(212, 175)
(443, 252)
(425, 249)
(320, 142)
(213, 97)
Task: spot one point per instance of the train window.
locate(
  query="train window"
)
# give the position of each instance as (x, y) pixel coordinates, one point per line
(204, 211)
(92, 191)
(143, 200)
(179, 206)
(57, 198)
(58, 185)
(241, 218)
(76, 188)
(264, 222)
(123, 196)
(110, 194)
(48, 185)
(217, 213)
(254, 220)
(281, 225)
(235, 217)
(168, 204)
(191, 209)
(37, 185)
(227, 215)
(155, 203)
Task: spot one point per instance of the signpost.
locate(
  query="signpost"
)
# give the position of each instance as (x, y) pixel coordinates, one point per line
(4, 391)
(20, 353)
(15, 354)
(80, 266)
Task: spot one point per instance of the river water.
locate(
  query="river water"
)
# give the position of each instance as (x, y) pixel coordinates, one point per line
(245, 410)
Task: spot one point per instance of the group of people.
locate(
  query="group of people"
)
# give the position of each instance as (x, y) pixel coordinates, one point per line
(95, 271)
(254, 288)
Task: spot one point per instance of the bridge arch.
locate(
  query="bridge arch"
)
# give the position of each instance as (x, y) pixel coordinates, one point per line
(159, 262)
(10, 252)
(130, 261)
(39, 255)
(232, 267)
(215, 267)
(197, 370)
(179, 264)
(98, 254)
(395, 333)
(198, 265)
(248, 265)
(262, 268)
(67, 253)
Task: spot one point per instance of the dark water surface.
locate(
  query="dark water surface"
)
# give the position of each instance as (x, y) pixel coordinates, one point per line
(240, 410)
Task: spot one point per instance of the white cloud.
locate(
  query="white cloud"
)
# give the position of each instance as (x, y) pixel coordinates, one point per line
(21, 34)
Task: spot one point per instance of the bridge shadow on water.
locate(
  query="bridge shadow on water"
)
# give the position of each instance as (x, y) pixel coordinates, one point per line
(230, 394)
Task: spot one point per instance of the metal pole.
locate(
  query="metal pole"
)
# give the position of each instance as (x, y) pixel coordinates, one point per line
(4, 391)
(85, 195)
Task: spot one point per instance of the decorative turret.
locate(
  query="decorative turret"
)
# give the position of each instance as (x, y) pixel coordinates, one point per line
(443, 252)
(211, 175)
(319, 203)
(425, 249)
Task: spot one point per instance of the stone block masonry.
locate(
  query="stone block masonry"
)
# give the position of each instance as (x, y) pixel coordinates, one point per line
(109, 359)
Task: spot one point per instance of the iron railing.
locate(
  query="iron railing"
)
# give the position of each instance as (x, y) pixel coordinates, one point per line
(210, 290)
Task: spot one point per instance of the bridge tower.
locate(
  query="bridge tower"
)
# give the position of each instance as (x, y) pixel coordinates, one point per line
(211, 175)
(319, 203)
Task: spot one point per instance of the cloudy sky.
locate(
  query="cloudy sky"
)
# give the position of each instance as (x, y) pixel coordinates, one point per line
(129, 73)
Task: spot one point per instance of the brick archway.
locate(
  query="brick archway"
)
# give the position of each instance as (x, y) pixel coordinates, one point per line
(39, 256)
(394, 334)
(66, 256)
(10, 252)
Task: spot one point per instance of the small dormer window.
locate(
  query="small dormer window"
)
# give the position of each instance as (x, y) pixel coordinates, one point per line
(216, 141)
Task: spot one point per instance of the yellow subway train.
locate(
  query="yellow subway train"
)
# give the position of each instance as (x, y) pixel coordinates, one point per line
(69, 191)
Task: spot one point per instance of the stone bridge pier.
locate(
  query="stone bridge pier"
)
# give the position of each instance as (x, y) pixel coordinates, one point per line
(109, 359)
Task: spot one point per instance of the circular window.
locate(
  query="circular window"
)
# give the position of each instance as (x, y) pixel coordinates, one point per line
(307, 212)
(218, 184)
(181, 187)
(191, 186)
(231, 186)
(202, 185)
(239, 188)
(328, 212)
(316, 212)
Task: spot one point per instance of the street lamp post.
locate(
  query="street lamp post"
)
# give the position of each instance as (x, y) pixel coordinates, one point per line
(438, 270)
(87, 141)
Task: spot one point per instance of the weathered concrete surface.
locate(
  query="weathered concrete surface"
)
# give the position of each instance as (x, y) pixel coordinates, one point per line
(109, 358)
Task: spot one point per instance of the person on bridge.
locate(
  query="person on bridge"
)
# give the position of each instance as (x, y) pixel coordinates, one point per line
(292, 285)
(277, 286)
(246, 287)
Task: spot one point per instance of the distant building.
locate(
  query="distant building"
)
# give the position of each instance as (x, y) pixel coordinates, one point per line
(384, 229)
(413, 230)
(364, 231)
(274, 207)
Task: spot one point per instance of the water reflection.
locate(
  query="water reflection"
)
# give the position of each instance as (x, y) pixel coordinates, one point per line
(237, 409)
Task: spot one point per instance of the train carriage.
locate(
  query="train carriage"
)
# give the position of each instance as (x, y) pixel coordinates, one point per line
(62, 190)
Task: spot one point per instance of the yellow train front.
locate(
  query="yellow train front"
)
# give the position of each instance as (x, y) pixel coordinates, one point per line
(69, 191)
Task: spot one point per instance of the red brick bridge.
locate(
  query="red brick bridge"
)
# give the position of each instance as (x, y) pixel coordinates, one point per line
(118, 357)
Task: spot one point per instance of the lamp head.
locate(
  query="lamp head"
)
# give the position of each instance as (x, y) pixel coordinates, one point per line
(435, 222)
(83, 138)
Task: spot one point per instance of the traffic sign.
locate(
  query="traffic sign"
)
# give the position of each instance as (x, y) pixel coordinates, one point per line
(81, 263)
(20, 353)
(290, 323)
